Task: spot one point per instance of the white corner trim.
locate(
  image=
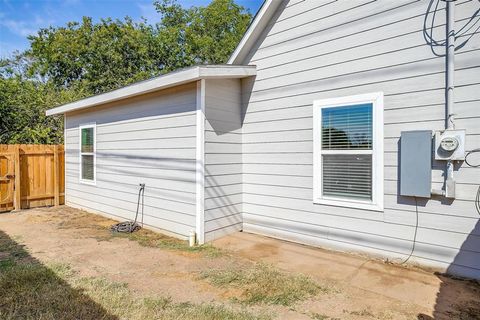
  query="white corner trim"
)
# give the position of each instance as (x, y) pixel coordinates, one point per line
(376, 98)
(65, 196)
(162, 82)
(94, 153)
(200, 163)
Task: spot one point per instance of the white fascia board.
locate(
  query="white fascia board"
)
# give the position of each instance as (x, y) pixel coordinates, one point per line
(162, 82)
(254, 31)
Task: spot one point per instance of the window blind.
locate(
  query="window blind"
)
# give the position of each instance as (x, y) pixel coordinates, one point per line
(347, 176)
(345, 173)
(87, 167)
(346, 128)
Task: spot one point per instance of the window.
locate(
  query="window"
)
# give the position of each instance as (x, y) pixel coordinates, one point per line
(348, 151)
(87, 154)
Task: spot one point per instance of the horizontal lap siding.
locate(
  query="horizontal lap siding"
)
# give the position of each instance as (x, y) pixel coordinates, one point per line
(223, 168)
(326, 49)
(151, 140)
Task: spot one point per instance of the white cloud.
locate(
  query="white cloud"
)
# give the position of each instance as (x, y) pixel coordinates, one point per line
(25, 27)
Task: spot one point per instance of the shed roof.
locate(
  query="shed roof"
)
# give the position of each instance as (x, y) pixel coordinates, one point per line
(161, 82)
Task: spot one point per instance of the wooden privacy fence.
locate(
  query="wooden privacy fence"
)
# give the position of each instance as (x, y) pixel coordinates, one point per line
(31, 176)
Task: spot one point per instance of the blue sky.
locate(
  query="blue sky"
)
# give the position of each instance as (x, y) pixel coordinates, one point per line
(19, 18)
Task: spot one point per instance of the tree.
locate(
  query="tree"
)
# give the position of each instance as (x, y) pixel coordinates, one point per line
(83, 58)
(206, 35)
(112, 53)
(22, 108)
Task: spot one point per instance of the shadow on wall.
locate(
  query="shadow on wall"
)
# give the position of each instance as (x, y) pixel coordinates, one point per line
(459, 298)
(30, 290)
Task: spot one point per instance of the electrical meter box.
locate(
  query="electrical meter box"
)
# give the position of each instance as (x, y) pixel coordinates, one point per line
(416, 163)
(450, 145)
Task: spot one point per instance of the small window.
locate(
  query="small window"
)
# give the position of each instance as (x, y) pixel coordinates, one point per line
(87, 154)
(348, 151)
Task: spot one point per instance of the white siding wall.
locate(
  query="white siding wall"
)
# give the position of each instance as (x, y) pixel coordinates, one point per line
(150, 139)
(325, 49)
(223, 158)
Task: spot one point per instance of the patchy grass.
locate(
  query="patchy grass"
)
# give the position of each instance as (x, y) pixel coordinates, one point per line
(31, 290)
(262, 283)
(148, 238)
(318, 316)
(361, 313)
(118, 300)
(98, 227)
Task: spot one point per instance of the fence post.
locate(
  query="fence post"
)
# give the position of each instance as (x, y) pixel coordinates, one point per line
(17, 193)
(56, 175)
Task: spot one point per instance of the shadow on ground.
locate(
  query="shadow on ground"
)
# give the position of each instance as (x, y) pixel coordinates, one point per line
(458, 298)
(31, 290)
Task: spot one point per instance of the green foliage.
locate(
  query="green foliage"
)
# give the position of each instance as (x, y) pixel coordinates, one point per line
(22, 108)
(83, 58)
(205, 35)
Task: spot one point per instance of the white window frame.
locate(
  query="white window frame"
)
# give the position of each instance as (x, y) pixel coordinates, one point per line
(94, 153)
(376, 99)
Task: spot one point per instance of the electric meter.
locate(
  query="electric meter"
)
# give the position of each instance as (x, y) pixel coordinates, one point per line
(449, 144)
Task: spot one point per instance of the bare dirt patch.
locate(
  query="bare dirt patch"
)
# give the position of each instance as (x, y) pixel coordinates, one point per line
(161, 277)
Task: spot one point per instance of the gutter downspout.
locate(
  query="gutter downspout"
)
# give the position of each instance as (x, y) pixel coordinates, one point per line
(450, 72)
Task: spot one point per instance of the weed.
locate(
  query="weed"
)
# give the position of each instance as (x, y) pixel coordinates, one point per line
(362, 313)
(264, 284)
(318, 316)
(7, 263)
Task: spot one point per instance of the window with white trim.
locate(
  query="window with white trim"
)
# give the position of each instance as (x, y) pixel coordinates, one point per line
(348, 151)
(87, 153)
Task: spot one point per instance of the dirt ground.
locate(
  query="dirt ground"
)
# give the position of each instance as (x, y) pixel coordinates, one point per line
(359, 288)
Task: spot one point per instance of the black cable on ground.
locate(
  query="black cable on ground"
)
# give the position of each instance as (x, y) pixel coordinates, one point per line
(414, 235)
(131, 226)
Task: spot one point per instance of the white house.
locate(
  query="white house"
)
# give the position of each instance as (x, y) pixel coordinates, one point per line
(298, 136)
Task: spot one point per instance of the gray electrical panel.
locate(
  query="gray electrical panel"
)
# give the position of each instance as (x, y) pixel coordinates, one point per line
(416, 163)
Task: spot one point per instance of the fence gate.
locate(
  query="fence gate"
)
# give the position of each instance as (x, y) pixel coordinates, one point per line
(31, 176)
(7, 180)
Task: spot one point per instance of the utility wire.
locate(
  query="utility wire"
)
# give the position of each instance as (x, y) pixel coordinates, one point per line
(414, 235)
(428, 28)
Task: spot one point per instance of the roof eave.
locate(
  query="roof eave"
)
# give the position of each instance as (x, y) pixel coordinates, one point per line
(162, 82)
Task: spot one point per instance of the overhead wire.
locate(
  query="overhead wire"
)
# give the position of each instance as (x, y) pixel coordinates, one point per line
(428, 28)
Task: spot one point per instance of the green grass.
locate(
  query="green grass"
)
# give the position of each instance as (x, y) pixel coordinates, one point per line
(262, 283)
